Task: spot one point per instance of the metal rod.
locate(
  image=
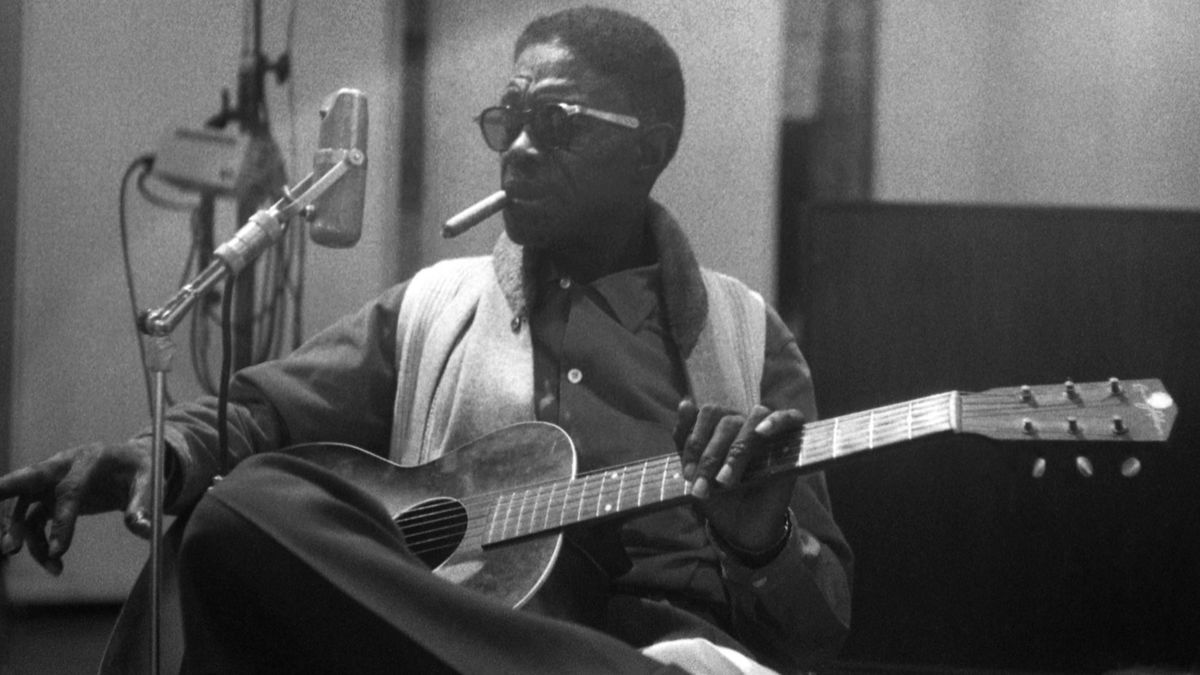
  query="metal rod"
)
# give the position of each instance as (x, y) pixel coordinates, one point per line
(161, 352)
(262, 230)
(232, 255)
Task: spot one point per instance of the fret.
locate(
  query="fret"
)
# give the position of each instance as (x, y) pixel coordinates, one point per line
(676, 469)
(548, 510)
(562, 509)
(910, 420)
(507, 516)
(582, 495)
(612, 506)
(568, 503)
(528, 504)
(549, 506)
(663, 483)
(538, 509)
(521, 511)
(642, 483)
(600, 495)
(592, 493)
(491, 536)
(871, 431)
(534, 510)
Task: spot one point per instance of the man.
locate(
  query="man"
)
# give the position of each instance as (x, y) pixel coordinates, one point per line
(592, 314)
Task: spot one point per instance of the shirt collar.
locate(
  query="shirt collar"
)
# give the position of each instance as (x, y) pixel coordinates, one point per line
(631, 294)
(684, 297)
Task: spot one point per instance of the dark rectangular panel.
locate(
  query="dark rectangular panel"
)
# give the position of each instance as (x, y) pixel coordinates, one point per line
(964, 558)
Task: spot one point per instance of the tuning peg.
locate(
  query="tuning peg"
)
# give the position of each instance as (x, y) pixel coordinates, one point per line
(1084, 466)
(1118, 426)
(1027, 427)
(1131, 467)
(1039, 467)
(1073, 425)
(1114, 386)
(1026, 394)
(1069, 386)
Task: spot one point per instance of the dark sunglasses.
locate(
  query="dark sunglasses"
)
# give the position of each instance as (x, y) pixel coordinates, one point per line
(550, 124)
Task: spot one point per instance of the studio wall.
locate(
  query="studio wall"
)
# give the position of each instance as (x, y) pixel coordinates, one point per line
(1076, 102)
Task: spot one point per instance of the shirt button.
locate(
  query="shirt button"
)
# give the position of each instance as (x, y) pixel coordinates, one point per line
(574, 375)
(564, 282)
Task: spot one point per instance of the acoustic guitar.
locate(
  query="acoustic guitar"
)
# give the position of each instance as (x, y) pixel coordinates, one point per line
(483, 515)
(489, 516)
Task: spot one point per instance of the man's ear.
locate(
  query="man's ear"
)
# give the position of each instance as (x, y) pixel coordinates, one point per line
(656, 147)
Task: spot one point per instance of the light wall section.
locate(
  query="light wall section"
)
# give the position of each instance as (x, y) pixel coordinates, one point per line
(1073, 102)
(101, 81)
(721, 185)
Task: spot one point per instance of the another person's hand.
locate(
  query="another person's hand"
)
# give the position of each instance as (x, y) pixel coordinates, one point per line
(715, 447)
(40, 503)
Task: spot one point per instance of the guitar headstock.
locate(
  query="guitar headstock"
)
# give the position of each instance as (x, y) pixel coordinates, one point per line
(1130, 411)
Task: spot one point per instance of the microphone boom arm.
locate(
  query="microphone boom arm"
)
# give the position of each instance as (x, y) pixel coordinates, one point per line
(262, 230)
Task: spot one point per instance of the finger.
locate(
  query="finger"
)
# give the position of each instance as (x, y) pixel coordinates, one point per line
(137, 512)
(707, 419)
(62, 526)
(741, 451)
(6, 523)
(780, 422)
(24, 481)
(685, 419)
(15, 528)
(35, 538)
(714, 453)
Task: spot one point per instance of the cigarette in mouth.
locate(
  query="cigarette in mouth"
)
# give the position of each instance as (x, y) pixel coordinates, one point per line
(474, 214)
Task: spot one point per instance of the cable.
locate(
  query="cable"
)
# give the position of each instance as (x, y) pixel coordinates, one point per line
(144, 162)
(299, 225)
(225, 374)
(161, 202)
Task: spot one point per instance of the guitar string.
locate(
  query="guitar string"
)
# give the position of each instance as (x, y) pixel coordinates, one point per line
(579, 490)
(998, 404)
(570, 490)
(584, 482)
(534, 493)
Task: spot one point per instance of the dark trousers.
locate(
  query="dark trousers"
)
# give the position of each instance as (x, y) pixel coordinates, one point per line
(285, 567)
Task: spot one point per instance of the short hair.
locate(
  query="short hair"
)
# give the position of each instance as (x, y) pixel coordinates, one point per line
(622, 46)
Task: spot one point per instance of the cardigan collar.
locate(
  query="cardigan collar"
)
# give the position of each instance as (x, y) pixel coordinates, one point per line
(683, 295)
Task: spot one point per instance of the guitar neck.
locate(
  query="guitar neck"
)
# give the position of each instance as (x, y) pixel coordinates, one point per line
(658, 482)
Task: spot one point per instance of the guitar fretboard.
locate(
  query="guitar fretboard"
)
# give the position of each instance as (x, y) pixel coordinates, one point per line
(658, 482)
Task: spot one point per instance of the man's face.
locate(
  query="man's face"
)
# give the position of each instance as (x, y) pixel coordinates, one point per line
(568, 198)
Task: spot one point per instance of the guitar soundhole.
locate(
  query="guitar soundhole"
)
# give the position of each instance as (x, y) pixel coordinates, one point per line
(433, 529)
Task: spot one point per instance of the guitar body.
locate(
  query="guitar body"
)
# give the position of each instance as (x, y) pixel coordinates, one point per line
(503, 461)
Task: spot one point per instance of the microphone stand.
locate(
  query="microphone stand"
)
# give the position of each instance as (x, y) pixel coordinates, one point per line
(260, 232)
